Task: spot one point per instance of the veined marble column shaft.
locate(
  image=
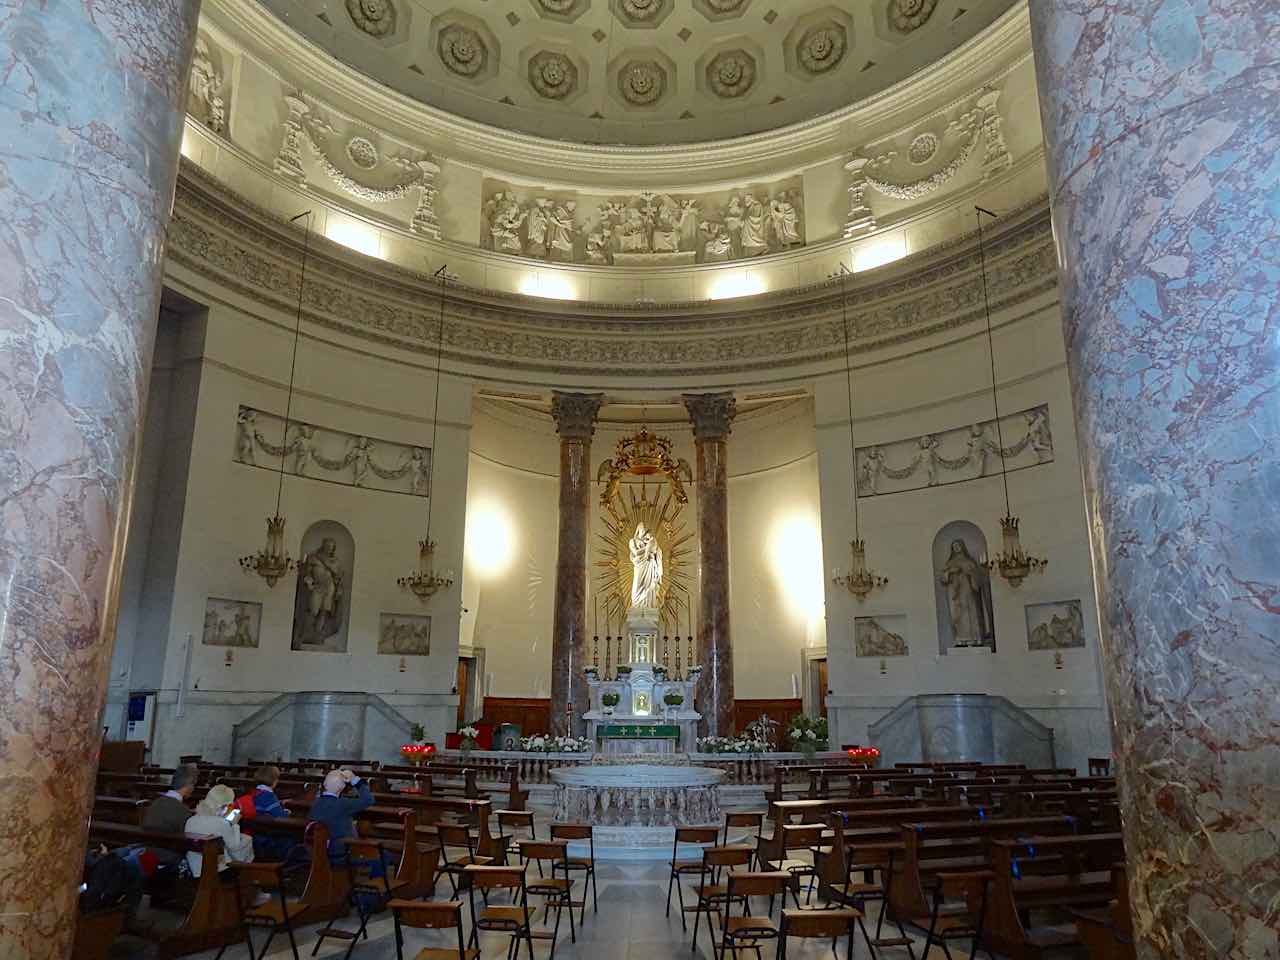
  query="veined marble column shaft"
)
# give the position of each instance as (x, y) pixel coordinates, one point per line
(712, 416)
(575, 416)
(91, 109)
(1163, 126)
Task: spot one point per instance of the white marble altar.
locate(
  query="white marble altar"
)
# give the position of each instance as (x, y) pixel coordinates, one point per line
(635, 807)
(642, 689)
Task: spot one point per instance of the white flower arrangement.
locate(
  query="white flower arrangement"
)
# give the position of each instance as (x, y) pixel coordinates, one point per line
(469, 733)
(731, 745)
(541, 743)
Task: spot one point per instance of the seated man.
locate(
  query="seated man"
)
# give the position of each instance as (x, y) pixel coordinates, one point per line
(216, 816)
(168, 813)
(336, 812)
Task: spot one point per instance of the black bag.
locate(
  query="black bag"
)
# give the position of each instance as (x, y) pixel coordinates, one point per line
(107, 880)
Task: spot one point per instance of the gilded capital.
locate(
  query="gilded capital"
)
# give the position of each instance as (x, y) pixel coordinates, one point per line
(711, 414)
(575, 414)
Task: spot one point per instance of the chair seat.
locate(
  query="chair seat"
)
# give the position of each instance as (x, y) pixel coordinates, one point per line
(713, 891)
(511, 917)
(791, 866)
(548, 886)
(857, 891)
(272, 912)
(436, 953)
(579, 863)
(744, 927)
(686, 866)
(369, 884)
(464, 861)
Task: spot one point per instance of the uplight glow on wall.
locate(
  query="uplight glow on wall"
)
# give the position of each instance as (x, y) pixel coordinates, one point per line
(736, 284)
(795, 546)
(351, 233)
(552, 286)
(491, 539)
(878, 251)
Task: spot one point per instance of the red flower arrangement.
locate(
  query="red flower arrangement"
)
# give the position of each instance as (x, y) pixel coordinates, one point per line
(867, 755)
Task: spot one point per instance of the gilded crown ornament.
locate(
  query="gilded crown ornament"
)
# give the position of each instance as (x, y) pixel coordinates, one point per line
(644, 454)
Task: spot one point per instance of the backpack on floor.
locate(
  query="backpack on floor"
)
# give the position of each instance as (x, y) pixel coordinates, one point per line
(106, 882)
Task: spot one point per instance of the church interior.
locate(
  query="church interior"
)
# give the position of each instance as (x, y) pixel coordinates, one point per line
(768, 477)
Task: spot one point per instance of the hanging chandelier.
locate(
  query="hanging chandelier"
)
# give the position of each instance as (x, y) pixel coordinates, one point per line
(273, 562)
(859, 580)
(424, 583)
(1013, 563)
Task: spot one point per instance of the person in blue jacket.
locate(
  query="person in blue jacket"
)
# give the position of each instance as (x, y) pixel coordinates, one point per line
(337, 812)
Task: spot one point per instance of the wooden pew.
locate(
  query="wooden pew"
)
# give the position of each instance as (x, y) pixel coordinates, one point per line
(507, 781)
(1072, 872)
(326, 892)
(213, 918)
(931, 847)
(1108, 934)
(119, 810)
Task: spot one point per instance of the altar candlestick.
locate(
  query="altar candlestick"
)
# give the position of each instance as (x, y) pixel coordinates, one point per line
(595, 652)
(608, 655)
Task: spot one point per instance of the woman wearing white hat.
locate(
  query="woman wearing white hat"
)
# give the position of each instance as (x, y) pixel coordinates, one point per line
(216, 816)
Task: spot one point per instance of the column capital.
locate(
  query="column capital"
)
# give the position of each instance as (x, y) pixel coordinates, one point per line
(711, 414)
(575, 414)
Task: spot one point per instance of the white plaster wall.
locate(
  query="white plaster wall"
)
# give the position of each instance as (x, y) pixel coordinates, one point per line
(246, 361)
(931, 391)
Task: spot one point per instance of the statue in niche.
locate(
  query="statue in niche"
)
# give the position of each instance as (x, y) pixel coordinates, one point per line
(301, 448)
(646, 568)
(1038, 434)
(418, 472)
(245, 428)
(963, 579)
(319, 601)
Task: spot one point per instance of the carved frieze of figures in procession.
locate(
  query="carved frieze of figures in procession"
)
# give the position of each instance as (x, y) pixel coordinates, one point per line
(351, 160)
(962, 453)
(332, 455)
(208, 93)
(980, 124)
(650, 228)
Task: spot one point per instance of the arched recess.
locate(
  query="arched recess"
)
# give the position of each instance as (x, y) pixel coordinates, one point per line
(322, 597)
(962, 588)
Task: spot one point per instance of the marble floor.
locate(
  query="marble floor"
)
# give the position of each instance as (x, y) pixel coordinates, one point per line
(630, 925)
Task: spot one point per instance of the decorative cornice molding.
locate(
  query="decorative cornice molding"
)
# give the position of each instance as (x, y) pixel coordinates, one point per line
(230, 242)
(310, 67)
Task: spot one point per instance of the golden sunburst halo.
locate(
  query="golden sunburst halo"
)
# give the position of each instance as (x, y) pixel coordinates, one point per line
(658, 507)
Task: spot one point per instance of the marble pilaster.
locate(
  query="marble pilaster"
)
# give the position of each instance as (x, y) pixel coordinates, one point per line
(1163, 126)
(712, 417)
(91, 107)
(575, 417)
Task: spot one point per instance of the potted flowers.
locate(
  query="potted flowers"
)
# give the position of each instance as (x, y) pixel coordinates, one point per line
(807, 734)
(469, 735)
(673, 701)
(609, 701)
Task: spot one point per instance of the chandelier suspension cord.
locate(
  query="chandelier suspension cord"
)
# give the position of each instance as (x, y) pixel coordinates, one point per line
(991, 349)
(293, 363)
(443, 277)
(848, 375)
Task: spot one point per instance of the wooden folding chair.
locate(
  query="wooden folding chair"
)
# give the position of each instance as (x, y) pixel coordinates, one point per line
(747, 931)
(510, 821)
(959, 911)
(712, 894)
(456, 837)
(513, 918)
(276, 914)
(557, 891)
(431, 915)
(818, 924)
(703, 836)
(753, 823)
(584, 865)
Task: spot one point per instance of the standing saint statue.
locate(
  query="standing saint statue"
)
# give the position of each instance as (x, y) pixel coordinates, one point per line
(318, 605)
(646, 568)
(963, 580)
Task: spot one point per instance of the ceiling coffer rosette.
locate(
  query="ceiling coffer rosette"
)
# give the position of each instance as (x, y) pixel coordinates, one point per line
(375, 17)
(908, 15)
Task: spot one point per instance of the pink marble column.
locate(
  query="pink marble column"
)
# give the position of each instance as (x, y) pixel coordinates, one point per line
(575, 416)
(1163, 127)
(91, 107)
(712, 416)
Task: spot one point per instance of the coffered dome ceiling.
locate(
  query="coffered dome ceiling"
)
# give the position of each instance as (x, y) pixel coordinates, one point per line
(638, 71)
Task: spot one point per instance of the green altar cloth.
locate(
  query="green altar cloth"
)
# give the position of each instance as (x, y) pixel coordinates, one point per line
(638, 731)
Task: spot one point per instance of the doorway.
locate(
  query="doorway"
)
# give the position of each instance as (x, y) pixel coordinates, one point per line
(465, 684)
